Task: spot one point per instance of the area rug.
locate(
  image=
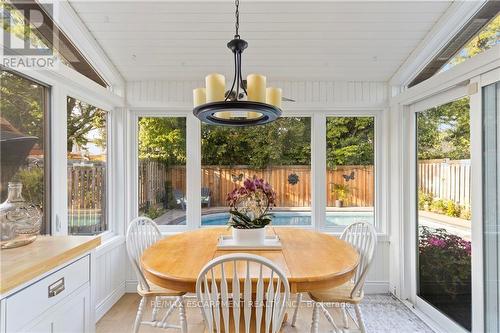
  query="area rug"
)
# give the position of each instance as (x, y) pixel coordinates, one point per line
(384, 313)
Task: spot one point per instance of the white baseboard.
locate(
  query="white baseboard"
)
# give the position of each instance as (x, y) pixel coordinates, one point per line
(131, 286)
(110, 300)
(371, 287)
(376, 287)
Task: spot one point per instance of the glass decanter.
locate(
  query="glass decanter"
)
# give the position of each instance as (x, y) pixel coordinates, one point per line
(20, 221)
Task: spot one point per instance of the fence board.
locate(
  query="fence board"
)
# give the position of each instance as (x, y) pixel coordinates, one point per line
(222, 180)
(86, 198)
(446, 179)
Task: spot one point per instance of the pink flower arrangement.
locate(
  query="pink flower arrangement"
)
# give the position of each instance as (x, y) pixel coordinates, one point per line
(252, 186)
(250, 204)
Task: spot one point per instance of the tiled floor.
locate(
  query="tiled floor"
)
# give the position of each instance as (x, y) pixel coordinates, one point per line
(382, 314)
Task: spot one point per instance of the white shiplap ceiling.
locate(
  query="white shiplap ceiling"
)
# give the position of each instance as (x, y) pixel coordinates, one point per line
(287, 40)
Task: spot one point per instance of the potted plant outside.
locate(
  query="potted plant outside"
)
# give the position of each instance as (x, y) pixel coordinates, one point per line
(250, 207)
(341, 192)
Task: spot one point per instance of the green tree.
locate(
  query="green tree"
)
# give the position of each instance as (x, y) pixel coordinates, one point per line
(82, 119)
(163, 139)
(444, 131)
(21, 104)
(287, 141)
(488, 37)
(350, 141)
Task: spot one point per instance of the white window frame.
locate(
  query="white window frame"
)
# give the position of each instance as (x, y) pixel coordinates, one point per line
(318, 162)
(110, 189)
(192, 178)
(421, 106)
(64, 82)
(379, 167)
(439, 89)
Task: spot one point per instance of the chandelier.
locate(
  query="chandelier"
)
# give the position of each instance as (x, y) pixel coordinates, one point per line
(249, 102)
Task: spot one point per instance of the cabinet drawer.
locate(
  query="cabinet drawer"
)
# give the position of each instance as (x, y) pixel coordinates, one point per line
(29, 303)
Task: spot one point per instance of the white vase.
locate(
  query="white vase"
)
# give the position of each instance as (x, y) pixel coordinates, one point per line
(249, 236)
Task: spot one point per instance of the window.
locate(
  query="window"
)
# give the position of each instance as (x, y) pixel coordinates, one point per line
(87, 128)
(488, 37)
(444, 209)
(279, 152)
(162, 169)
(479, 34)
(25, 140)
(350, 180)
(33, 21)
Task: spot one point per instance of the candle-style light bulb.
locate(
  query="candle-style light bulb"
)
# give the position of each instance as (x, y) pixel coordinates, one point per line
(216, 86)
(199, 96)
(256, 88)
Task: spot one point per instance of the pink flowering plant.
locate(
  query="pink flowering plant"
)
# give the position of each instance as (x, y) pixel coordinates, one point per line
(445, 262)
(251, 204)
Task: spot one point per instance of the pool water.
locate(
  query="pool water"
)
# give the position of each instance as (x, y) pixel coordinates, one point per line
(298, 218)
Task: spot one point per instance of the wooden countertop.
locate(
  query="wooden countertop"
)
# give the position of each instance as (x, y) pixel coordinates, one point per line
(21, 264)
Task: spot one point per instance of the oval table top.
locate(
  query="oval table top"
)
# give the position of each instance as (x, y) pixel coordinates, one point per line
(311, 260)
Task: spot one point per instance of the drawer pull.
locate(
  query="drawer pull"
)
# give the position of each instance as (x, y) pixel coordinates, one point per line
(56, 288)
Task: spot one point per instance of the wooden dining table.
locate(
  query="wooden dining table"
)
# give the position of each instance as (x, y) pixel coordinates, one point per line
(311, 260)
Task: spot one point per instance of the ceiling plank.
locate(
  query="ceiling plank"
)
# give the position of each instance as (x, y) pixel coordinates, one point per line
(301, 39)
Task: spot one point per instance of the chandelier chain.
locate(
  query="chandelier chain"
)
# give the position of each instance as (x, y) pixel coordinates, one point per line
(237, 14)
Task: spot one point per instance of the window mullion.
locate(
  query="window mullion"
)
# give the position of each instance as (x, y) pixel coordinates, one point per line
(193, 171)
(318, 169)
(59, 188)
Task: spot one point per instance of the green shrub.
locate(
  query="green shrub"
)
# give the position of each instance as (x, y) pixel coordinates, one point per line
(465, 214)
(32, 180)
(445, 263)
(424, 200)
(438, 206)
(447, 207)
(154, 212)
(452, 208)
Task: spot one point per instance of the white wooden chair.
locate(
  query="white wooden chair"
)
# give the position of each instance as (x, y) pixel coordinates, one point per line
(141, 234)
(363, 237)
(219, 285)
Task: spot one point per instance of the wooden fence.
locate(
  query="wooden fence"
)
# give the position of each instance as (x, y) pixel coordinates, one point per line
(86, 198)
(153, 176)
(222, 180)
(446, 179)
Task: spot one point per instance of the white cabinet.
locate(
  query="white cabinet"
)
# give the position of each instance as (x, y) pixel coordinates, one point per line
(70, 316)
(59, 302)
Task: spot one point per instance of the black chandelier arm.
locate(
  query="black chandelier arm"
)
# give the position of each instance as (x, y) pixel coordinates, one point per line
(234, 79)
(237, 74)
(241, 79)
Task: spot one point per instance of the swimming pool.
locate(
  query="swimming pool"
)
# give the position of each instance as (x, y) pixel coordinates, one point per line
(298, 218)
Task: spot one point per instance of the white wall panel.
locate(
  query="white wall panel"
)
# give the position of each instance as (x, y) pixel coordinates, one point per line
(377, 281)
(313, 93)
(111, 267)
